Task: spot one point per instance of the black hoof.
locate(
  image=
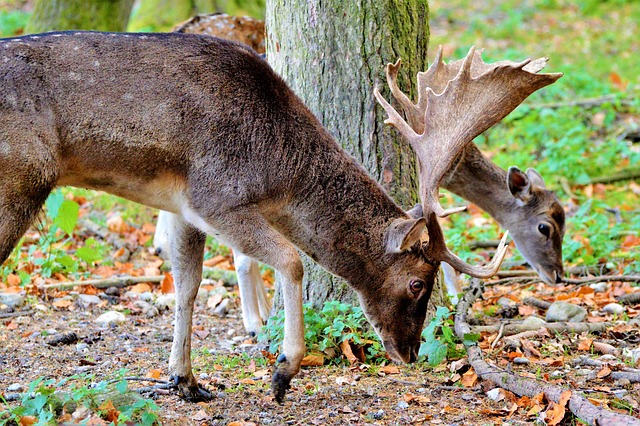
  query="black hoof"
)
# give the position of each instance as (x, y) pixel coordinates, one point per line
(280, 383)
(190, 390)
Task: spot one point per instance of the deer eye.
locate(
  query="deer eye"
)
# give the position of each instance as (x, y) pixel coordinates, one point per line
(416, 286)
(544, 229)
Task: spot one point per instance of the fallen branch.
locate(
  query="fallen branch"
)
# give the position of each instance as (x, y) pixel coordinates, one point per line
(629, 299)
(578, 405)
(617, 177)
(631, 374)
(560, 327)
(511, 280)
(535, 302)
(602, 278)
(587, 103)
(127, 280)
(15, 314)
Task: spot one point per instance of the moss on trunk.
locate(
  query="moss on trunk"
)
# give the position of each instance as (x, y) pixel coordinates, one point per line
(99, 15)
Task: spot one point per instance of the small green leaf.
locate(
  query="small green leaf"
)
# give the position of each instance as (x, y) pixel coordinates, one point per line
(121, 386)
(67, 216)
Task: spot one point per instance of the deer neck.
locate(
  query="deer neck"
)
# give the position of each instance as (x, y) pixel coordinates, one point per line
(339, 217)
(475, 178)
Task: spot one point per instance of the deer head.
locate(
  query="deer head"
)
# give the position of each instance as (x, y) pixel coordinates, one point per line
(457, 102)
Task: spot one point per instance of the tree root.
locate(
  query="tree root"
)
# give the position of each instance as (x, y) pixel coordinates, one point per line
(578, 405)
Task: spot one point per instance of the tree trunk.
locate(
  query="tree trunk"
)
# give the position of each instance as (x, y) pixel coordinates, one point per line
(99, 15)
(333, 54)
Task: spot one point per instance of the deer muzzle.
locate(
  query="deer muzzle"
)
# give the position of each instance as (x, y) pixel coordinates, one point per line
(402, 352)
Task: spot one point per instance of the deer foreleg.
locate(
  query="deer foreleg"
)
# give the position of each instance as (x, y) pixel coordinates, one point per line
(186, 247)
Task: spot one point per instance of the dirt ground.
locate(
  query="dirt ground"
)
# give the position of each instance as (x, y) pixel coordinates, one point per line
(234, 367)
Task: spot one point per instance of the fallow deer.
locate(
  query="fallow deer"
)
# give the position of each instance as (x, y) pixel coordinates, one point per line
(204, 129)
(519, 201)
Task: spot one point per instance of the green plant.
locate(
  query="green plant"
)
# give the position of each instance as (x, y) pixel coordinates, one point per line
(439, 339)
(47, 400)
(326, 329)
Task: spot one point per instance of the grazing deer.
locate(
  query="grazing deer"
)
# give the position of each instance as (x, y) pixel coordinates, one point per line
(519, 201)
(204, 129)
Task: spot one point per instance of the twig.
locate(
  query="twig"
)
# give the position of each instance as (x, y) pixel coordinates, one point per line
(118, 282)
(509, 274)
(601, 278)
(535, 302)
(15, 314)
(568, 327)
(579, 405)
(495, 342)
(154, 388)
(627, 174)
(141, 379)
(587, 103)
(630, 298)
(403, 382)
(566, 186)
(524, 280)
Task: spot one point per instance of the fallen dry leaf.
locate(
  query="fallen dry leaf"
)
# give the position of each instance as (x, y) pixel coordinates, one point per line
(141, 288)
(313, 360)
(109, 412)
(604, 372)
(345, 348)
(389, 369)
(469, 379)
(154, 374)
(62, 304)
(605, 348)
(167, 284)
(585, 344)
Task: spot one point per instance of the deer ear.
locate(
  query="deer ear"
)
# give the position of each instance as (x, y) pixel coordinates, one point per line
(404, 233)
(416, 212)
(535, 178)
(519, 183)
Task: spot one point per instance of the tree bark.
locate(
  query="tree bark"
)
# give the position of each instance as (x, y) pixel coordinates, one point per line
(99, 15)
(332, 54)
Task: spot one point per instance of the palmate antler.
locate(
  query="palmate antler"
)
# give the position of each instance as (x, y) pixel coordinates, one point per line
(457, 102)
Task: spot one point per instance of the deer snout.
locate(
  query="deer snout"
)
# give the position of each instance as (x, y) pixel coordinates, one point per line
(402, 352)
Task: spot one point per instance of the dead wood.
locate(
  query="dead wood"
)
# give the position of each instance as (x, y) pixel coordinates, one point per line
(602, 278)
(629, 299)
(522, 386)
(538, 303)
(587, 103)
(631, 374)
(568, 327)
(15, 314)
(627, 174)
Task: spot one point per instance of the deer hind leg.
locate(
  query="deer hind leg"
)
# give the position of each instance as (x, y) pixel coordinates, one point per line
(161, 236)
(266, 245)
(186, 248)
(29, 173)
(252, 293)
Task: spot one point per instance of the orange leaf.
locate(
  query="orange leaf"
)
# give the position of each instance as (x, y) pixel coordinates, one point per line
(141, 288)
(28, 420)
(13, 280)
(345, 347)
(167, 284)
(469, 379)
(154, 374)
(604, 348)
(389, 369)
(12, 325)
(214, 260)
(617, 81)
(604, 372)
(313, 360)
(248, 381)
(585, 344)
(62, 304)
(631, 241)
(117, 224)
(110, 412)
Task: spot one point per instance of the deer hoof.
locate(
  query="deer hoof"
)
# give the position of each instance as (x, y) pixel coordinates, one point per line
(280, 383)
(190, 390)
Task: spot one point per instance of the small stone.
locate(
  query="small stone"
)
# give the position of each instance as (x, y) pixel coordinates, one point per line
(505, 302)
(599, 287)
(147, 296)
(16, 387)
(147, 309)
(613, 308)
(496, 394)
(222, 309)
(556, 374)
(81, 347)
(203, 295)
(165, 301)
(132, 295)
(110, 317)
(204, 376)
(563, 311)
(12, 300)
(623, 382)
(112, 291)
(403, 405)
(532, 322)
(89, 299)
(378, 415)
(521, 360)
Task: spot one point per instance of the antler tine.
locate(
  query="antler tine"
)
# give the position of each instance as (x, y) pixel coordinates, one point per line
(412, 114)
(396, 120)
(437, 250)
